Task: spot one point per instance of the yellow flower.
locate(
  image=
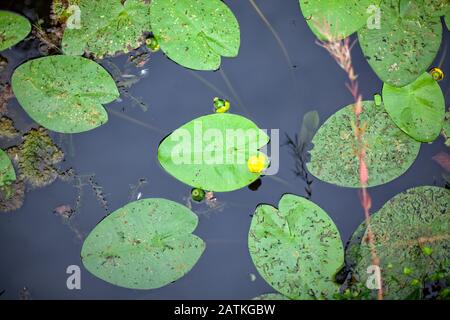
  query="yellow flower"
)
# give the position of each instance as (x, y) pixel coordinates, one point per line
(256, 164)
(221, 105)
(437, 74)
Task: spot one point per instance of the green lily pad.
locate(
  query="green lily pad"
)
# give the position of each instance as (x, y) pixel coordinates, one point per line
(146, 244)
(412, 219)
(447, 20)
(389, 153)
(437, 8)
(7, 173)
(211, 152)
(340, 18)
(405, 45)
(64, 93)
(195, 33)
(271, 296)
(296, 248)
(418, 108)
(13, 29)
(106, 27)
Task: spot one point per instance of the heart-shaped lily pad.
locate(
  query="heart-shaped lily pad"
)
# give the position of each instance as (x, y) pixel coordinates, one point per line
(389, 153)
(195, 33)
(336, 18)
(296, 248)
(146, 244)
(418, 108)
(405, 44)
(407, 223)
(105, 27)
(7, 173)
(13, 29)
(211, 152)
(64, 93)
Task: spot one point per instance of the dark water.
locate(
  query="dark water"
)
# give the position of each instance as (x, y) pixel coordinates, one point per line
(36, 247)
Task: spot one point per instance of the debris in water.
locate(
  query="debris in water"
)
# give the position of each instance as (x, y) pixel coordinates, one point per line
(36, 158)
(7, 129)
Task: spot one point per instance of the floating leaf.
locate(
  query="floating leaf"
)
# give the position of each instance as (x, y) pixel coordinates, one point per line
(418, 108)
(271, 296)
(64, 93)
(106, 26)
(195, 33)
(13, 29)
(404, 46)
(447, 20)
(7, 173)
(389, 153)
(411, 220)
(297, 248)
(146, 244)
(338, 18)
(211, 152)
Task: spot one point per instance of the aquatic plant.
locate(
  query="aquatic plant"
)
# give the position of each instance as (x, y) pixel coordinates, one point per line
(147, 244)
(7, 129)
(408, 28)
(64, 93)
(298, 147)
(7, 173)
(405, 229)
(411, 27)
(195, 33)
(12, 196)
(13, 29)
(334, 158)
(103, 28)
(5, 95)
(343, 17)
(417, 108)
(271, 296)
(36, 158)
(208, 162)
(296, 248)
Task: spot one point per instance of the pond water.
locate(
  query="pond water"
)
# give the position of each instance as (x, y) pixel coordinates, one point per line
(36, 246)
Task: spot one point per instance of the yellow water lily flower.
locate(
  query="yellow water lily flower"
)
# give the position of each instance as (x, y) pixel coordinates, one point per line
(437, 74)
(221, 105)
(256, 164)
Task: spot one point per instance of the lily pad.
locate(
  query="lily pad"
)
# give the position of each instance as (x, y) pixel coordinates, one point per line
(296, 248)
(447, 20)
(389, 153)
(106, 27)
(339, 18)
(195, 33)
(271, 296)
(146, 244)
(415, 218)
(7, 173)
(418, 108)
(64, 93)
(211, 152)
(404, 46)
(13, 29)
